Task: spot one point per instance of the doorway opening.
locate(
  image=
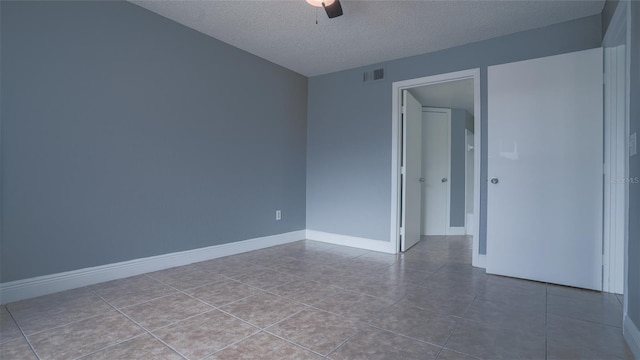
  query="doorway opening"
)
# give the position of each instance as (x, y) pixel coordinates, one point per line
(449, 173)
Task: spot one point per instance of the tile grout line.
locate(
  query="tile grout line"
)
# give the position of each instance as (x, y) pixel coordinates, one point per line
(140, 303)
(213, 308)
(403, 335)
(460, 319)
(266, 328)
(23, 333)
(167, 345)
(588, 321)
(369, 324)
(264, 291)
(303, 346)
(143, 328)
(342, 343)
(111, 345)
(75, 322)
(448, 338)
(177, 290)
(258, 331)
(63, 324)
(293, 343)
(352, 320)
(236, 317)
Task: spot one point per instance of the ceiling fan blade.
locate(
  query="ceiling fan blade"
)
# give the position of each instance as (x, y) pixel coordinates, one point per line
(333, 10)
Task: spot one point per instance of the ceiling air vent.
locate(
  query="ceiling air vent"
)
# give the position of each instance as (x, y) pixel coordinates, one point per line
(373, 75)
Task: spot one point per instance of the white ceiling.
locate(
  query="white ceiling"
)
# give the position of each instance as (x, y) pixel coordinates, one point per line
(453, 95)
(285, 32)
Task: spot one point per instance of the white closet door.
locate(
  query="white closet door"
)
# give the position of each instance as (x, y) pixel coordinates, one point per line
(544, 206)
(436, 148)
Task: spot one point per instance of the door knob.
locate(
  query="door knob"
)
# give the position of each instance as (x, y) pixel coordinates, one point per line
(444, 180)
(421, 179)
(494, 180)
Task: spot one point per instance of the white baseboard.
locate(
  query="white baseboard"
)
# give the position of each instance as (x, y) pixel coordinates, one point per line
(632, 335)
(456, 230)
(48, 284)
(346, 240)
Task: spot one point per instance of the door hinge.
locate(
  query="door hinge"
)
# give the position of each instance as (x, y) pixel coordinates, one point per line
(402, 170)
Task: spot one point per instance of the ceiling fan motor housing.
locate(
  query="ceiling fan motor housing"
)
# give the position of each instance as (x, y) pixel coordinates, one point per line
(333, 10)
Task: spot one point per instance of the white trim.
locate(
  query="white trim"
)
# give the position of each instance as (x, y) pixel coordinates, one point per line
(346, 240)
(616, 132)
(48, 284)
(395, 165)
(631, 335)
(614, 167)
(482, 261)
(477, 144)
(617, 25)
(468, 215)
(627, 10)
(397, 88)
(469, 225)
(457, 230)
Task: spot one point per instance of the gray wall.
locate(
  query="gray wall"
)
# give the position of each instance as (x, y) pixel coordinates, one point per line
(126, 135)
(349, 125)
(457, 209)
(634, 172)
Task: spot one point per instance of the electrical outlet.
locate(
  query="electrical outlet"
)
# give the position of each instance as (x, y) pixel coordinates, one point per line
(278, 214)
(633, 145)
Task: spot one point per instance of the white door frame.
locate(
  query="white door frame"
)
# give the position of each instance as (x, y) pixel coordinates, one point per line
(468, 224)
(396, 151)
(616, 229)
(616, 163)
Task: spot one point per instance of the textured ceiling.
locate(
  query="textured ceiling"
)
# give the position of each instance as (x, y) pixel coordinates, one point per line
(285, 32)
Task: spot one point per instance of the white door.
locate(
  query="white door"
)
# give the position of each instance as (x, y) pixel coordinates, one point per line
(411, 170)
(436, 132)
(545, 153)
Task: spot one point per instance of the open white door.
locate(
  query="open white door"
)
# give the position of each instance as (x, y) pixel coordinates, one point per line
(544, 206)
(411, 170)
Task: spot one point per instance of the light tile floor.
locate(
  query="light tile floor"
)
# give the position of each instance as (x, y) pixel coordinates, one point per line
(310, 300)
